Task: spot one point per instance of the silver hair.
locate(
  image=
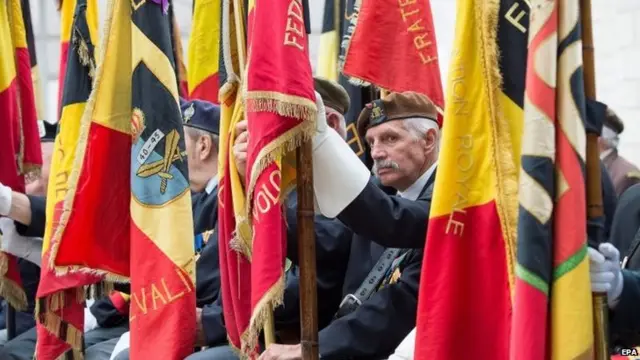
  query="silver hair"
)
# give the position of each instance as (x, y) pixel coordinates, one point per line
(610, 137)
(195, 133)
(419, 127)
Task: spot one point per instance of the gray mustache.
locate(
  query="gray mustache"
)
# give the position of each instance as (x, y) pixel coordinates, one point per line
(384, 164)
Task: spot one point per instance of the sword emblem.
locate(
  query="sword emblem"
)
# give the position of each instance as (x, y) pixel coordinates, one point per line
(161, 167)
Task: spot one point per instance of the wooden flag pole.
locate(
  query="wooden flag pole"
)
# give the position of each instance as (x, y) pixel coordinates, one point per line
(307, 253)
(594, 186)
(307, 245)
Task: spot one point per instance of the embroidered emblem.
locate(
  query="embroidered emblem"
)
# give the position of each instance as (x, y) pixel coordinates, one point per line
(376, 111)
(161, 167)
(188, 114)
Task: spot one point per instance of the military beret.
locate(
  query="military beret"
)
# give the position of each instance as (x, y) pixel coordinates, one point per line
(613, 122)
(396, 106)
(333, 94)
(201, 115)
(48, 131)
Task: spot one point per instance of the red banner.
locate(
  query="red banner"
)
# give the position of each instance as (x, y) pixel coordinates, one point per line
(394, 46)
(281, 112)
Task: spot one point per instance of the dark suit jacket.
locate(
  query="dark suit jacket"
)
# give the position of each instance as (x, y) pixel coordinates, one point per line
(376, 221)
(626, 223)
(624, 320)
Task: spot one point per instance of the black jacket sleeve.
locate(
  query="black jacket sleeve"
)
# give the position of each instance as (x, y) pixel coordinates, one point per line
(38, 218)
(208, 273)
(215, 332)
(378, 326)
(106, 313)
(333, 245)
(388, 220)
(624, 320)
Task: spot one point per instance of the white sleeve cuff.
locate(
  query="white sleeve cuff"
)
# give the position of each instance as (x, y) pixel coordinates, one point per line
(405, 350)
(34, 252)
(339, 176)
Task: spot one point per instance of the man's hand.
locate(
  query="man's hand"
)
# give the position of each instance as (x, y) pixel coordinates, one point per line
(282, 352)
(321, 123)
(604, 268)
(5, 200)
(200, 341)
(240, 146)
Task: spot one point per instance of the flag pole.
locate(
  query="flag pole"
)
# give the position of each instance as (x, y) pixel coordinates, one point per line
(307, 253)
(594, 187)
(307, 245)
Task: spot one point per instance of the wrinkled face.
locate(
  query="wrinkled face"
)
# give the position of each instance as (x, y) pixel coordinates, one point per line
(39, 185)
(193, 158)
(399, 156)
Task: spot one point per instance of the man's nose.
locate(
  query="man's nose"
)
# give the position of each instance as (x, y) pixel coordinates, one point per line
(378, 153)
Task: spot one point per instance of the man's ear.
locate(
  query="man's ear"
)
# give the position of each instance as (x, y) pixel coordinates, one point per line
(333, 121)
(204, 145)
(431, 140)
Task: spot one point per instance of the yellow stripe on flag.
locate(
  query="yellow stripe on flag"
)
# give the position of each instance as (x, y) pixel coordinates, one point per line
(66, 19)
(7, 62)
(61, 163)
(204, 43)
(165, 233)
(568, 337)
(17, 29)
(328, 59)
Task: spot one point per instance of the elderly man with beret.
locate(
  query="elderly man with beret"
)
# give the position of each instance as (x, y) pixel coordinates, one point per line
(623, 173)
(385, 232)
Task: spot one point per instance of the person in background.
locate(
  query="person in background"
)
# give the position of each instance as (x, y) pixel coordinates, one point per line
(27, 251)
(623, 173)
(201, 120)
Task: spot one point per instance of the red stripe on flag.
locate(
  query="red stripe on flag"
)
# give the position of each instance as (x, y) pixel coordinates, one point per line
(64, 51)
(109, 152)
(9, 141)
(159, 283)
(207, 89)
(32, 154)
(455, 308)
(529, 339)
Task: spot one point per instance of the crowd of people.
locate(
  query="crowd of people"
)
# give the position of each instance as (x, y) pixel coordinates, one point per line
(370, 235)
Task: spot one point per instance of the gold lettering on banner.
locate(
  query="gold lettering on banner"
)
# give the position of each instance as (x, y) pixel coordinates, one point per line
(61, 177)
(413, 18)
(267, 196)
(514, 15)
(155, 294)
(460, 102)
(169, 296)
(464, 163)
(159, 295)
(294, 31)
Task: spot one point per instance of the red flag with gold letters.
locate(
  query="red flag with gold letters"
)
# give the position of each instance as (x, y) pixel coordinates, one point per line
(394, 46)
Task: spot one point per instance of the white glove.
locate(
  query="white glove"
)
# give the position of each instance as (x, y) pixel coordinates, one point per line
(606, 276)
(321, 123)
(339, 176)
(5, 199)
(123, 344)
(90, 321)
(28, 248)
